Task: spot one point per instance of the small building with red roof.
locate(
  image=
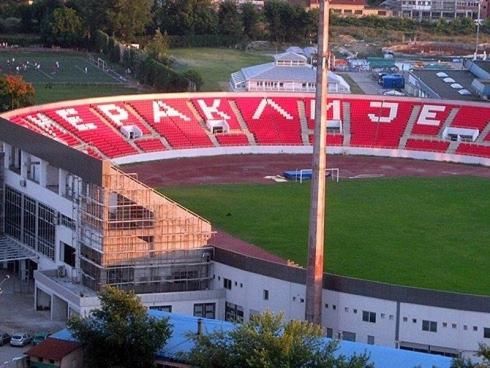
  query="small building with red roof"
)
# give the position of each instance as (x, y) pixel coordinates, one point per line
(56, 353)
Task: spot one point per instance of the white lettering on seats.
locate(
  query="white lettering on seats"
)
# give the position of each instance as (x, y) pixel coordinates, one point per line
(115, 113)
(393, 110)
(268, 101)
(333, 106)
(162, 110)
(428, 113)
(44, 122)
(70, 115)
(209, 111)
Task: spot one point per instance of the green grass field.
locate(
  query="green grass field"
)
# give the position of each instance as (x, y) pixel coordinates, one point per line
(65, 83)
(431, 233)
(215, 65)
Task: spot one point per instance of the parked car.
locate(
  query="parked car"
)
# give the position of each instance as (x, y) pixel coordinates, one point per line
(4, 338)
(39, 337)
(20, 339)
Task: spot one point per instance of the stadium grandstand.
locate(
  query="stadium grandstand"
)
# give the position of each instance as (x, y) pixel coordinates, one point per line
(75, 222)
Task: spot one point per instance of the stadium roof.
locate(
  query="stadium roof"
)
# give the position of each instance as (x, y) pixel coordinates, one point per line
(448, 84)
(382, 357)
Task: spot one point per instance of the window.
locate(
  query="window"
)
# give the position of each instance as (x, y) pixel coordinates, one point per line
(348, 336)
(369, 316)
(430, 326)
(444, 324)
(370, 340)
(334, 307)
(205, 310)
(227, 283)
(162, 308)
(454, 325)
(405, 319)
(391, 317)
(326, 306)
(67, 222)
(355, 311)
(233, 312)
(414, 320)
(383, 316)
(486, 332)
(266, 294)
(475, 328)
(346, 309)
(67, 254)
(329, 332)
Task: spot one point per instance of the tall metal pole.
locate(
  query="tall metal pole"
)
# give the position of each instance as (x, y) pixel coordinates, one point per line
(316, 235)
(478, 29)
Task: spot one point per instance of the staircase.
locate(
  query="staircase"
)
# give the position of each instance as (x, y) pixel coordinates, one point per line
(201, 122)
(408, 130)
(243, 124)
(346, 125)
(449, 120)
(483, 134)
(303, 122)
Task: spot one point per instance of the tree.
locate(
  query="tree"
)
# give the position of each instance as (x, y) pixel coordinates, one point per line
(267, 341)
(483, 353)
(94, 15)
(121, 333)
(128, 18)
(62, 27)
(157, 48)
(230, 22)
(15, 93)
(250, 20)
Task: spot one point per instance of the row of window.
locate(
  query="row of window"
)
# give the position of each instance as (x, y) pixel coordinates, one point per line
(228, 284)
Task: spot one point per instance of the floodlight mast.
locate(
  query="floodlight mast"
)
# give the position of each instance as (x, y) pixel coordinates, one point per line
(316, 233)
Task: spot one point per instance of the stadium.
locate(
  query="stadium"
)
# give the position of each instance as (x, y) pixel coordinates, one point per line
(77, 216)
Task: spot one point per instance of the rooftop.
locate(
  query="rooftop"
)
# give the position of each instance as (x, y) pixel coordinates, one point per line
(448, 84)
(53, 348)
(483, 64)
(382, 357)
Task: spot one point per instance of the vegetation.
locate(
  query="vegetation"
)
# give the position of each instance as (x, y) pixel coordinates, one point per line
(120, 333)
(483, 353)
(215, 65)
(15, 93)
(408, 231)
(267, 340)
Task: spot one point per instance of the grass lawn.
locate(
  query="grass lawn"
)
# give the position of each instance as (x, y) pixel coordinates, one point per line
(62, 92)
(431, 233)
(215, 65)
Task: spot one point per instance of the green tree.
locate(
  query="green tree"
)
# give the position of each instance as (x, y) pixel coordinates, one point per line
(250, 20)
(194, 78)
(230, 22)
(94, 14)
(187, 17)
(121, 333)
(128, 18)
(157, 48)
(267, 341)
(62, 27)
(483, 353)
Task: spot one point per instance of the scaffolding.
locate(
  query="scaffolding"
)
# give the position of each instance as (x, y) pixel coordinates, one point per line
(132, 237)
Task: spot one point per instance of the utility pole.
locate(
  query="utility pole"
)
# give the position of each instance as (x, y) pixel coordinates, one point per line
(478, 21)
(316, 234)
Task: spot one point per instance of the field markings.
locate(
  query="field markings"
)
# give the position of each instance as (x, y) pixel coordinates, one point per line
(44, 73)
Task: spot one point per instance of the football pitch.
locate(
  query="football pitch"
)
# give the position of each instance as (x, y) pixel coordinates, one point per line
(61, 75)
(423, 232)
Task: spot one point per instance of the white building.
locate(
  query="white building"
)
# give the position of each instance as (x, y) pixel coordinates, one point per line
(289, 72)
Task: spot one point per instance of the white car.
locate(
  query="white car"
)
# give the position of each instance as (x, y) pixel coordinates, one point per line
(20, 339)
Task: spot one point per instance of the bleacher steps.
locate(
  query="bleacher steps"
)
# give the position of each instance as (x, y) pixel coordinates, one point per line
(83, 146)
(453, 145)
(346, 125)
(202, 123)
(304, 122)
(114, 129)
(243, 124)
(483, 134)
(449, 120)
(408, 130)
(154, 133)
